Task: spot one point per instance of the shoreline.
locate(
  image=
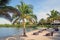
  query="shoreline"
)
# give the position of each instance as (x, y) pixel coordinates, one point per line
(40, 36)
(30, 36)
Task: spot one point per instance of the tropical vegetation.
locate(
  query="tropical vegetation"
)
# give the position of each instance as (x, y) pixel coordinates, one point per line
(5, 10)
(25, 16)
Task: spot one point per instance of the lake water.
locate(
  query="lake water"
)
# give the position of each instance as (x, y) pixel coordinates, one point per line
(11, 31)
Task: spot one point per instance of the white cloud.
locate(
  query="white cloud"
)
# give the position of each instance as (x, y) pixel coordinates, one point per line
(41, 8)
(47, 6)
(4, 21)
(42, 15)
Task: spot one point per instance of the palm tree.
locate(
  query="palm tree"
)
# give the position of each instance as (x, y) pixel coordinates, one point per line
(6, 10)
(53, 15)
(26, 14)
(4, 2)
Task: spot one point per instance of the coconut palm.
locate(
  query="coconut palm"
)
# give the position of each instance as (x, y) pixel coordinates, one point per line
(53, 16)
(4, 2)
(6, 10)
(26, 14)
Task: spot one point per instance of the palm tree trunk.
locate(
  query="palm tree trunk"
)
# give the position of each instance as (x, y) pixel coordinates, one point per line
(24, 29)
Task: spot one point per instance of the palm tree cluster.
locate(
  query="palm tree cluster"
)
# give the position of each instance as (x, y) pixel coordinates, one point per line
(54, 15)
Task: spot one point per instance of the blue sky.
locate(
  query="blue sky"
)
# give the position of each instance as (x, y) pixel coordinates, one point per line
(41, 7)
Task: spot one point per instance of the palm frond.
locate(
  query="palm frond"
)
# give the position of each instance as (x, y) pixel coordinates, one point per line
(15, 20)
(4, 2)
(6, 10)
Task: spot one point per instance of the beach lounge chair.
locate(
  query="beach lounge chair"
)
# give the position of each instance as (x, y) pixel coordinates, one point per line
(44, 29)
(35, 33)
(41, 30)
(49, 34)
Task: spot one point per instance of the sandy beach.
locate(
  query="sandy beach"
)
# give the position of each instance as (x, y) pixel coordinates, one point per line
(30, 36)
(40, 36)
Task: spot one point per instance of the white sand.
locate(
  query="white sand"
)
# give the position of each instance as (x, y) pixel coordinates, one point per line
(40, 36)
(36, 37)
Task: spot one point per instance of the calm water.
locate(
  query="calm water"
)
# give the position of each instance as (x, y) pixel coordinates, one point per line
(11, 31)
